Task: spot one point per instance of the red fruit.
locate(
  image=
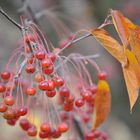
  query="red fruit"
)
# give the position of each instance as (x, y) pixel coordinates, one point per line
(45, 127)
(40, 55)
(32, 131)
(63, 127)
(89, 136)
(24, 124)
(64, 92)
(51, 93)
(39, 77)
(102, 76)
(46, 63)
(2, 88)
(23, 111)
(93, 89)
(29, 38)
(31, 91)
(9, 114)
(52, 56)
(58, 81)
(5, 75)
(3, 107)
(56, 133)
(79, 102)
(87, 95)
(68, 107)
(97, 134)
(9, 100)
(49, 70)
(43, 135)
(30, 68)
(11, 122)
(70, 99)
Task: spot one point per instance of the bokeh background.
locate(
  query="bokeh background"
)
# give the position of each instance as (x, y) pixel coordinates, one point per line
(79, 14)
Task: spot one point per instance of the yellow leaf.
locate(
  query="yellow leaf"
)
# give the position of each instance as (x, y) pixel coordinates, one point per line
(121, 26)
(110, 44)
(102, 104)
(132, 85)
(134, 64)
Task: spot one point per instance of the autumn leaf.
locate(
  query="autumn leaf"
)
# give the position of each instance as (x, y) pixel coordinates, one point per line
(102, 104)
(110, 44)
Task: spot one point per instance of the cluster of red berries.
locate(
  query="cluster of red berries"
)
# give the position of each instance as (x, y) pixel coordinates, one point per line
(43, 73)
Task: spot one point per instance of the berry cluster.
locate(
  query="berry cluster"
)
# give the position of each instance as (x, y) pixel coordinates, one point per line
(39, 84)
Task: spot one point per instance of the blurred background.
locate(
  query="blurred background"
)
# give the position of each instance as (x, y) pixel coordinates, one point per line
(77, 14)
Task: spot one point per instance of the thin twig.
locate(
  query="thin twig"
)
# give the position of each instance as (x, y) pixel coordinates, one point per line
(10, 19)
(75, 41)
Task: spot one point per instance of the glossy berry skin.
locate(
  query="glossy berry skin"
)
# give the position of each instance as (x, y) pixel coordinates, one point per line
(64, 92)
(23, 111)
(68, 107)
(63, 127)
(31, 91)
(51, 93)
(43, 135)
(58, 81)
(11, 122)
(46, 63)
(5, 75)
(48, 70)
(93, 89)
(56, 133)
(52, 56)
(87, 95)
(9, 100)
(30, 68)
(70, 99)
(102, 76)
(32, 131)
(79, 102)
(40, 55)
(3, 107)
(89, 136)
(45, 127)
(24, 124)
(2, 88)
(9, 114)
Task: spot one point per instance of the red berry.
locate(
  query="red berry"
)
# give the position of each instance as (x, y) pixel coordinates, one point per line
(23, 111)
(39, 77)
(56, 133)
(3, 107)
(30, 68)
(87, 95)
(24, 124)
(68, 107)
(64, 92)
(49, 70)
(31, 91)
(45, 127)
(32, 131)
(46, 63)
(43, 135)
(51, 93)
(29, 38)
(9, 100)
(102, 76)
(40, 55)
(2, 88)
(79, 102)
(52, 56)
(89, 136)
(58, 81)
(9, 114)
(5, 75)
(70, 99)
(63, 127)
(11, 122)
(93, 89)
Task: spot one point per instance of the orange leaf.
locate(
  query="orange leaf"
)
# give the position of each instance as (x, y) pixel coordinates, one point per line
(134, 64)
(110, 44)
(102, 104)
(121, 26)
(132, 85)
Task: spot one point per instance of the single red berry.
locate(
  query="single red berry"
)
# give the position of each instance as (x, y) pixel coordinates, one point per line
(28, 38)
(49, 70)
(46, 63)
(79, 102)
(23, 111)
(2, 87)
(51, 93)
(63, 127)
(68, 107)
(64, 92)
(45, 127)
(89, 136)
(32, 131)
(3, 107)
(93, 89)
(12, 122)
(52, 56)
(5, 75)
(9, 114)
(87, 95)
(70, 99)
(56, 133)
(58, 81)
(30, 68)
(31, 91)
(43, 135)
(40, 55)
(97, 134)
(102, 76)
(9, 100)
(24, 124)
(39, 77)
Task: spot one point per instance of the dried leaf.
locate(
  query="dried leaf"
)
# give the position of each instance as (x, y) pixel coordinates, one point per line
(121, 26)
(110, 44)
(132, 85)
(102, 104)
(134, 64)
